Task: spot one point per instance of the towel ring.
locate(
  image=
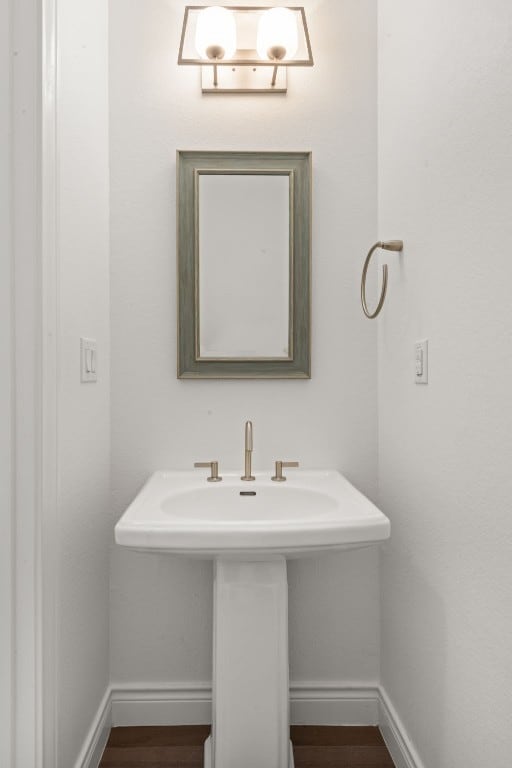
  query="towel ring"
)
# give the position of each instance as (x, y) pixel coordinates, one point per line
(387, 245)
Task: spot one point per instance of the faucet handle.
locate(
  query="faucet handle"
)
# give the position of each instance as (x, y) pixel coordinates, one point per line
(279, 477)
(213, 466)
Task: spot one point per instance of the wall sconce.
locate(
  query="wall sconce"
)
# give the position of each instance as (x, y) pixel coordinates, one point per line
(244, 49)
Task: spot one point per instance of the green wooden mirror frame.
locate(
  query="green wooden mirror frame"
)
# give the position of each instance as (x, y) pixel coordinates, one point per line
(190, 164)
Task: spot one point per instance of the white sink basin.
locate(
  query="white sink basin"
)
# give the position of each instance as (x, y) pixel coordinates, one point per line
(181, 513)
(249, 537)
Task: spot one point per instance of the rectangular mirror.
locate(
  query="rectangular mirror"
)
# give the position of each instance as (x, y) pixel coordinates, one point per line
(244, 264)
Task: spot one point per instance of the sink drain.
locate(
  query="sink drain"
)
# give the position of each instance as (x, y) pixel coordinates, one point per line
(247, 493)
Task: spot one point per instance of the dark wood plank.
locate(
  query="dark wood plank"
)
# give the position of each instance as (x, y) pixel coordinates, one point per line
(153, 757)
(342, 757)
(340, 736)
(159, 736)
(315, 746)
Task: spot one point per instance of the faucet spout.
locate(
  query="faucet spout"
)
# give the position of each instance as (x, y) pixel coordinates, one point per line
(248, 435)
(248, 452)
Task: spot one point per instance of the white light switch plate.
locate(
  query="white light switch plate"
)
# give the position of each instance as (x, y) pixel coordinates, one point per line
(88, 360)
(421, 362)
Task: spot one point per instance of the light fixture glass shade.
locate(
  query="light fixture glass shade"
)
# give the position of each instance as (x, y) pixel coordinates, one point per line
(216, 33)
(277, 35)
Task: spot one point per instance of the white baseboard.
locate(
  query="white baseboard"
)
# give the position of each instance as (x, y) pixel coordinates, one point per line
(394, 734)
(314, 703)
(310, 704)
(96, 739)
(170, 704)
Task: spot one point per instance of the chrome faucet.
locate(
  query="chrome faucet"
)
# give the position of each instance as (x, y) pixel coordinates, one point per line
(248, 452)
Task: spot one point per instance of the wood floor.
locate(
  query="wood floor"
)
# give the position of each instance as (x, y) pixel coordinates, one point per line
(182, 747)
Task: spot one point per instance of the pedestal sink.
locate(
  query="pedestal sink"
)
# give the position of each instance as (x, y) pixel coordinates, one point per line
(250, 530)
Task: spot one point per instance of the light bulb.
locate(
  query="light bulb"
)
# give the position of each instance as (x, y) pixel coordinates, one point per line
(216, 33)
(277, 34)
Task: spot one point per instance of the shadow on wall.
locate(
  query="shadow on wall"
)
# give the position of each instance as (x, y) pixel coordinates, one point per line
(423, 628)
(327, 589)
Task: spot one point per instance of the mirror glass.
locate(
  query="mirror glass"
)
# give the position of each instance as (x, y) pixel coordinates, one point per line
(244, 265)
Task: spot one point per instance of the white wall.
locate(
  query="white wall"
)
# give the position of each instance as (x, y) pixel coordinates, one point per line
(445, 450)
(6, 363)
(161, 606)
(84, 520)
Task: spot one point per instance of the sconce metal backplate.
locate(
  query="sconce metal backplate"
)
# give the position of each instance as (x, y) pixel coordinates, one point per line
(243, 80)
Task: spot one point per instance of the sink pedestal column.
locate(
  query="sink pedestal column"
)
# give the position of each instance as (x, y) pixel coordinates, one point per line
(250, 666)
